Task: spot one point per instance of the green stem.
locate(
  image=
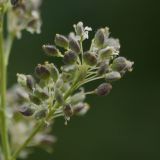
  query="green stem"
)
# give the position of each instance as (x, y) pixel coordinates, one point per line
(3, 70)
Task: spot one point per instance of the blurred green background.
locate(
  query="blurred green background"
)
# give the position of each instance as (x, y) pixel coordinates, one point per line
(126, 124)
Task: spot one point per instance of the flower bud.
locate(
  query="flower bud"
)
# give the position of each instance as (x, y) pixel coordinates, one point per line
(41, 94)
(40, 114)
(74, 45)
(79, 28)
(51, 50)
(81, 109)
(59, 96)
(61, 41)
(30, 82)
(103, 68)
(78, 97)
(42, 72)
(106, 53)
(100, 36)
(112, 76)
(54, 73)
(68, 111)
(90, 58)
(22, 79)
(34, 99)
(103, 89)
(70, 57)
(27, 110)
(119, 64)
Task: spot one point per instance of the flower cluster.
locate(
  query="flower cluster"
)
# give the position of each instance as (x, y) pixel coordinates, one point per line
(24, 15)
(54, 92)
(16, 97)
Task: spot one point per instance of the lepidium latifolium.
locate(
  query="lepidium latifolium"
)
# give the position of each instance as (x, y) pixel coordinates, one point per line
(29, 108)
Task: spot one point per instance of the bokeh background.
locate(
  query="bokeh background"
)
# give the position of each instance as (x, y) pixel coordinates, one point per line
(126, 124)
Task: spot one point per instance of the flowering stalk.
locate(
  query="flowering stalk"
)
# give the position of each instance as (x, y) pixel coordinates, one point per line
(37, 100)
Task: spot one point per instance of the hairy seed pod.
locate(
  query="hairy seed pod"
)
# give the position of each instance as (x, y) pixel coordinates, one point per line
(103, 89)
(70, 57)
(112, 76)
(90, 58)
(68, 110)
(27, 110)
(51, 50)
(61, 41)
(40, 114)
(74, 45)
(42, 72)
(30, 82)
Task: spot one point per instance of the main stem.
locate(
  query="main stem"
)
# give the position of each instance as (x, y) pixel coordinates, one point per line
(3, 79)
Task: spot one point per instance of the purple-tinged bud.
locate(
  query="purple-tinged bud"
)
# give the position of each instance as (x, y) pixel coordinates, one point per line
(112, 76)
(103, 89)
(30, 82)
(51, 50)
(27, 110)
(90, 58)
(100, 36)
(61, 41)
(81, 109)
(68, 111)
(74, 45)
(40, 114)
(70, 57)
(103, 68)
(119, 64)
(42, 72)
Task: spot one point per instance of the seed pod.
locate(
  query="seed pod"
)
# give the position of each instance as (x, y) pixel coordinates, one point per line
(112, 76)
(30, 82)
(68, 110)
(70, 57)
(103, 89)
(40, 114)
(14, 2)
(74, 45)
(103, 68)
(105, 53)
(27, 110)
(119, 64)
(34, 99)
(90, 58)
(42, 72)
(61, 41)
(51, 50)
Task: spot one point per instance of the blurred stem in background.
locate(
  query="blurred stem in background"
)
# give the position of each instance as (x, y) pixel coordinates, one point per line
(3, 86)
